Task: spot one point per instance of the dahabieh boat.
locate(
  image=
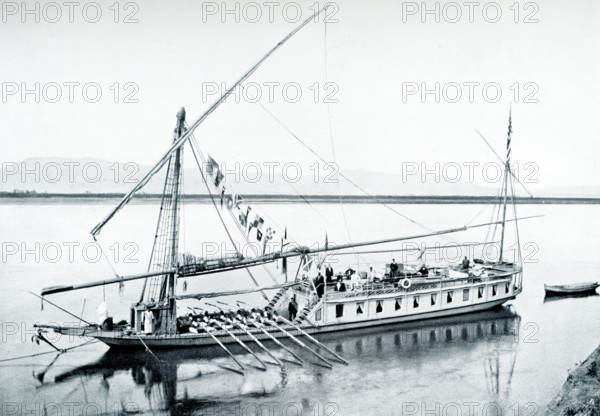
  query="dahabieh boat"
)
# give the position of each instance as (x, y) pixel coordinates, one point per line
(397, 296)
(186, 379)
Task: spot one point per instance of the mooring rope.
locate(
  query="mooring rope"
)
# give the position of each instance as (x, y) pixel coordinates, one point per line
(91, 341)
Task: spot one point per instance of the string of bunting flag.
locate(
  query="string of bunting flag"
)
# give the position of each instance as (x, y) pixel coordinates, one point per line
(250, 219)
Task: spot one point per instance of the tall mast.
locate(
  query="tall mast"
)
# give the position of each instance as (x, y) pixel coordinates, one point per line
(179, 130)
(506, 174)
(171, 313)
(161, 288)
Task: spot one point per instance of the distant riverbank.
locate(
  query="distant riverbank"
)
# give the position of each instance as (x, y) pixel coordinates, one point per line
(89, 198)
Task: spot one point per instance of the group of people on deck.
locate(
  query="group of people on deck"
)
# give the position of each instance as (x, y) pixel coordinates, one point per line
(207, 321)
(351, 280)
(397, 269)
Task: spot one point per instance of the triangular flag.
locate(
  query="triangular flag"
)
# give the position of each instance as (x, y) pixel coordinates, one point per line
(243, 218)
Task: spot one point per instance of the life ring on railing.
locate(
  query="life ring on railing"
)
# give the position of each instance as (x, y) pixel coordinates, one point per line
(406, 283)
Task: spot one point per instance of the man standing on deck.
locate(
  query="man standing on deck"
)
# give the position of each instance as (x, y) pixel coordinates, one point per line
(148, 322)
(393, 268)
(465, 263)
(320, 285)
(329, 273)
(293, 308)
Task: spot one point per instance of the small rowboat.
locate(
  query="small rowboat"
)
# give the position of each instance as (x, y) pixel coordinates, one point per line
(571, 288)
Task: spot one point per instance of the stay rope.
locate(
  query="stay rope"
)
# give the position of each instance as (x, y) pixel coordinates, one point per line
(121, 285)
(331, 141)
(204, 178)
(350, 181)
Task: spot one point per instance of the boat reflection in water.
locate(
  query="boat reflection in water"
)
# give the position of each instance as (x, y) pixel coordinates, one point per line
(201, 380)
(552, 297)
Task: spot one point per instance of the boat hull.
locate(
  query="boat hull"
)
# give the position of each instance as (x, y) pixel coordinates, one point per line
(571, 289)
(119, 341)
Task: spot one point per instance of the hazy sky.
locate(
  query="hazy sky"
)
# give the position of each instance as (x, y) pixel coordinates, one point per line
(377, 52)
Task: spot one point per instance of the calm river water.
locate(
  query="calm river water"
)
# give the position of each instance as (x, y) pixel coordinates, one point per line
(507, 361)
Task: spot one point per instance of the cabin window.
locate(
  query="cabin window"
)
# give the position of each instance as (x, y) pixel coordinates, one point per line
(433, 298)
(449, 297)
(379, 307)
(360, 308)
(416, 302)
(465, 294)
(494, 290)
(398, 304)
(318, 314)
(339, 311)
(506, 287)
(480, 292)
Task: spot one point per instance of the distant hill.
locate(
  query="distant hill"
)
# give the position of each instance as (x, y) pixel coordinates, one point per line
(78, 176)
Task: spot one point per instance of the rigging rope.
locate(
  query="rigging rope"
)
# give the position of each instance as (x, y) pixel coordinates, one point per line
(351, 182)
(181, 140)
(194, 143)
(503, 163)
(479, 213)
(108, 261)
(221, 217)
(182, 227)
(156, 234)
(331, 141)
(499, 205)
(321, 215)
(512, 191)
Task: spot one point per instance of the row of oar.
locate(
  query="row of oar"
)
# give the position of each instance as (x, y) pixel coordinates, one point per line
(270, 327)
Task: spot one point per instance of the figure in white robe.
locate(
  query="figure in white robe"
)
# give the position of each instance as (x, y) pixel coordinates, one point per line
(148, 322)
(102, 311)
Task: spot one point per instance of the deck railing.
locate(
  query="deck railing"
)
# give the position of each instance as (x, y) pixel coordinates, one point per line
(377, 289)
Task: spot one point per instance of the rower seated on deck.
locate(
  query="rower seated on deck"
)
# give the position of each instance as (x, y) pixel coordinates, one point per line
(184, 323)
